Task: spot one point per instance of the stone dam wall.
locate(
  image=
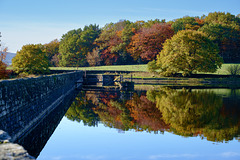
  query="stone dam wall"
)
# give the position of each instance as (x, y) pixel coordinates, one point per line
(24, 102)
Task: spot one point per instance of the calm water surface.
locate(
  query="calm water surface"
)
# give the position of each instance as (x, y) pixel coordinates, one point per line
(159, 123)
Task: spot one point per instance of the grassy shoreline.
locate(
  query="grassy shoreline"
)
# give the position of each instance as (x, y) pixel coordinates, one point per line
(207, 82)
(140, 75)
(134, 68)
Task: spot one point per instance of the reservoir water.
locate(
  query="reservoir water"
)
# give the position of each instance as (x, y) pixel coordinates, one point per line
(149, 123)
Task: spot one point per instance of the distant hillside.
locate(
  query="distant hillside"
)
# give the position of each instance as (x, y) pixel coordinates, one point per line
(9, 57)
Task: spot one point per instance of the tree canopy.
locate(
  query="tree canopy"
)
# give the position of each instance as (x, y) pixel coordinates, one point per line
(75, 45)
(188, 51)
(126, 42)
(224, 30)
(113, 42)
(52, 52)
(31, 59)
(186, 23)
(147, 42)
(222, 18)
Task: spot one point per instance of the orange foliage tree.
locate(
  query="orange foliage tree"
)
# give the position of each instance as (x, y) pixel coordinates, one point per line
(113, 42)
(147, 43)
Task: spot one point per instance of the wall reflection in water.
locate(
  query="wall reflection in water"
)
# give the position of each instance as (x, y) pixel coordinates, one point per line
(36, 138)
(210, 114)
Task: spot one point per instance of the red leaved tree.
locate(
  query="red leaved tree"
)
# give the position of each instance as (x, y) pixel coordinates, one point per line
(147, 43)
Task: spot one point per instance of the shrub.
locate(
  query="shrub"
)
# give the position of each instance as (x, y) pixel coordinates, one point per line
(3, 71)
(233, 69)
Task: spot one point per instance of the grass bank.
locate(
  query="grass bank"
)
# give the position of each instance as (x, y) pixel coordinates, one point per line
(135, 68)
(140, 75)
(131, 68)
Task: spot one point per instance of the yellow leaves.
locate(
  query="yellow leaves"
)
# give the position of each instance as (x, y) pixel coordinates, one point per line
(186, 51)
(31, 59)
(133, 30)
(119, 33)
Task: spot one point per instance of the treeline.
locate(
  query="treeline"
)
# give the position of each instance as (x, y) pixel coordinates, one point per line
(139, 42)
(127, 42)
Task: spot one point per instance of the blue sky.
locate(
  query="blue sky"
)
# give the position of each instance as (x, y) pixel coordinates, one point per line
(31, 21)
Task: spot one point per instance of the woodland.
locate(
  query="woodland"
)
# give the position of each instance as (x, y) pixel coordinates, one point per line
(212, 40)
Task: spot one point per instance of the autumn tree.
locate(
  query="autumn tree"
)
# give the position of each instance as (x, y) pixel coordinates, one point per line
(52, 52)
(126, 37)
(147, 43)
(31, 59)
(151, 22)
(222, 18)
(192, 23)
(113, 42)
(224, 30)
(93, 58)
(188, 51)
(3, 65)
(107, 40)
(76, 44)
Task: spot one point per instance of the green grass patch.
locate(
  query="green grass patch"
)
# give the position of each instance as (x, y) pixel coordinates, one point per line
(220, 71)
(135, 68)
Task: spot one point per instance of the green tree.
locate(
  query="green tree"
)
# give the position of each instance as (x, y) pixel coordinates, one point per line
(31, 59)
(223, 29)
(76, 44)
(186, 23)
(151, 22)
(222, 18)
(188, 51)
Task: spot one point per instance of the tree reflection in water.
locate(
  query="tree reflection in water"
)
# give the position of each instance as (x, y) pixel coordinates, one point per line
(183, 112)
